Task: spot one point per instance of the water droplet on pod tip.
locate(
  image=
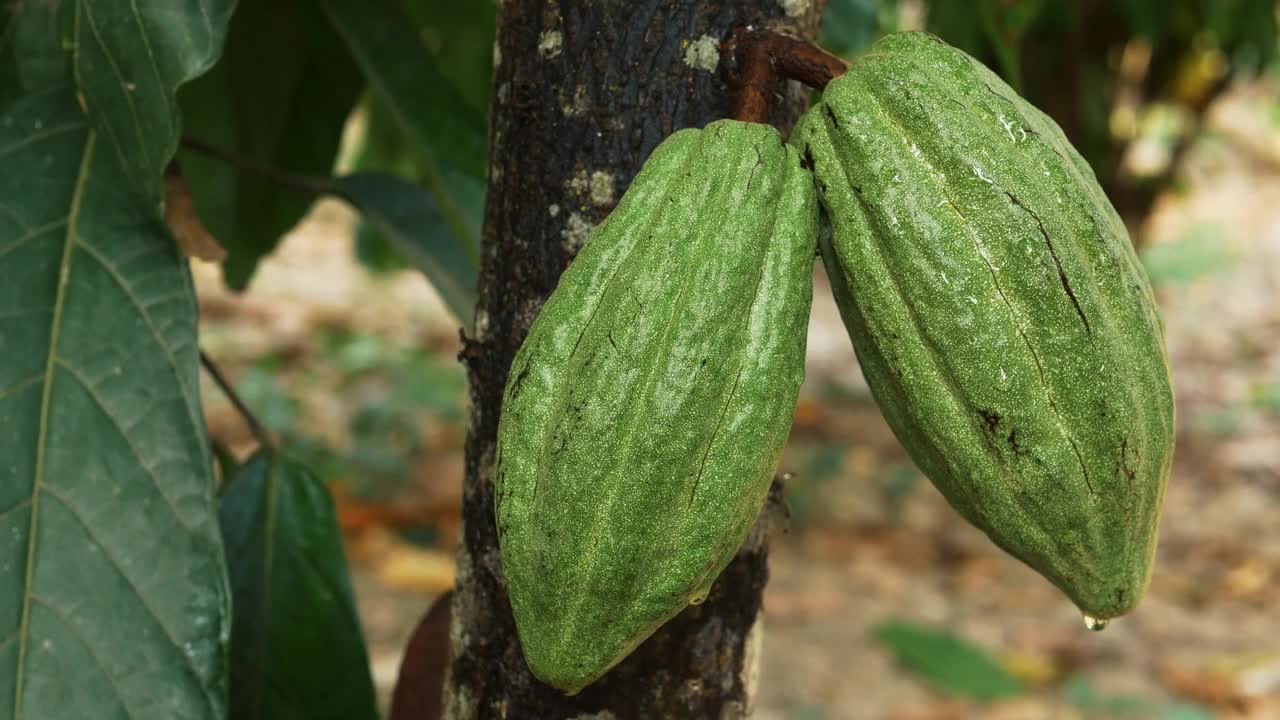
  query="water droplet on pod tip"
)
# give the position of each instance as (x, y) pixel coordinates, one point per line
(1095, 624)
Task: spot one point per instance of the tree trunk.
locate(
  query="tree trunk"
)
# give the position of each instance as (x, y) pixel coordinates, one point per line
(583, 91)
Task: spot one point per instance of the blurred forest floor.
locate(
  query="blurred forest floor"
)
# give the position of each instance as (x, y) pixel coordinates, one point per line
(357, 375)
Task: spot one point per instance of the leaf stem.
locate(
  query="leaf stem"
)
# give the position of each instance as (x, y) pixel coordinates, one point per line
(302, 183)
(255, 426)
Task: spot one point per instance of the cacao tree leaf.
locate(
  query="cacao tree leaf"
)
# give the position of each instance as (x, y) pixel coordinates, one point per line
(280, 95)
(384, 147)
(387, 149)
(409, 218)
(297, 650)
(956, 22)
(460, 37)
(948, 662)
(445, 135)
(1006, 25)
(849, 26)
(31, 56)
(113, 591)
(403, 74)
(129, 60)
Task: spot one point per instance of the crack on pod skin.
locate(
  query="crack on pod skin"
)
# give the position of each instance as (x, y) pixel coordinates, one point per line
(518, 385)
(831, 114)
(755, 297)
(693, 492)
(1084, 470)
(807, 162)
(931, 344)
(1130, 474)
(1062, 274)
(995, 280)
(757, 166)
(635, 297)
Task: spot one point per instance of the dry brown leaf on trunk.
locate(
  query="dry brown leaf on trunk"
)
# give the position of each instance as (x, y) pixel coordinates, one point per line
(180, 215)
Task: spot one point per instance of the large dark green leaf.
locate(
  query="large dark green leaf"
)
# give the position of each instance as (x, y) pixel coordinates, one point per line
(130, 58)
(460, 37)
(948, 662)
(31, 56)
(403, 73)
(383, 147)
(849, 26)
(443, 131)
(297, 648)
(280, 95)
(113, 591)
(408, 217)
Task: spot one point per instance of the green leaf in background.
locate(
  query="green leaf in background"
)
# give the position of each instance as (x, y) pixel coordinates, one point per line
(31, 56)
(1081, 694)
(437, 127)
(948, 662)
(1203, 250)
(280, 95)
(402, 73)
(130, 58)
(408, 217)
(957, 22)
(297, 648)
(1006, 25)
(385, 147)
(460, 37)
(113, 589)
(850, 26)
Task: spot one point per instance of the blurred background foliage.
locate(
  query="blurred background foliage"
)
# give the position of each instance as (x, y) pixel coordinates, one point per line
(1128, 80)
(351, 360)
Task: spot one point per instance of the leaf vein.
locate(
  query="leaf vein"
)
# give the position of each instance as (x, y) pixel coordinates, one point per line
(144, 311)
(115, 68)
(30, 234)
(19, 387)
(125, 435)
(93, 651)
(46, 403)
(37, 137)
(109, 554)
(17, 506)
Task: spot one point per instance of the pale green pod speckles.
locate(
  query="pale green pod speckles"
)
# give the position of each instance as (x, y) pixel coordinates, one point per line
(999, 313)
(644, 414)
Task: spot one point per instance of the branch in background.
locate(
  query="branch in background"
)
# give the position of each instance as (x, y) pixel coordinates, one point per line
(301, 183)
(257, 428)
(761, 59)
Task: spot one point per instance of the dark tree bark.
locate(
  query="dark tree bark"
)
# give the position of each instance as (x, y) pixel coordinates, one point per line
(583, 91)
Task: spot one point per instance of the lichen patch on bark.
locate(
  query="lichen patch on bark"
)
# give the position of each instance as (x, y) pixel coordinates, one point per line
(703, 53)
(549, 43)
(602, 188)
(576, 233)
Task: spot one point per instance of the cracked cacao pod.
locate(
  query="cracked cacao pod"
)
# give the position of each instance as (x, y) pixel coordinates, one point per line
(645, 412)
(999, 313)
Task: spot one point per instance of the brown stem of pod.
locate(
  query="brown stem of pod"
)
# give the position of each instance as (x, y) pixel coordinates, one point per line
(761, 59)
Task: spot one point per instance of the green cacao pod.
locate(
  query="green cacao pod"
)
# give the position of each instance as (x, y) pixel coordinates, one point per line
(645, 412)
(999, 312)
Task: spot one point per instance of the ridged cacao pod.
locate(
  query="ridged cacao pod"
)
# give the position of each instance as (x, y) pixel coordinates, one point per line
(645, 412)
(999, 313)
